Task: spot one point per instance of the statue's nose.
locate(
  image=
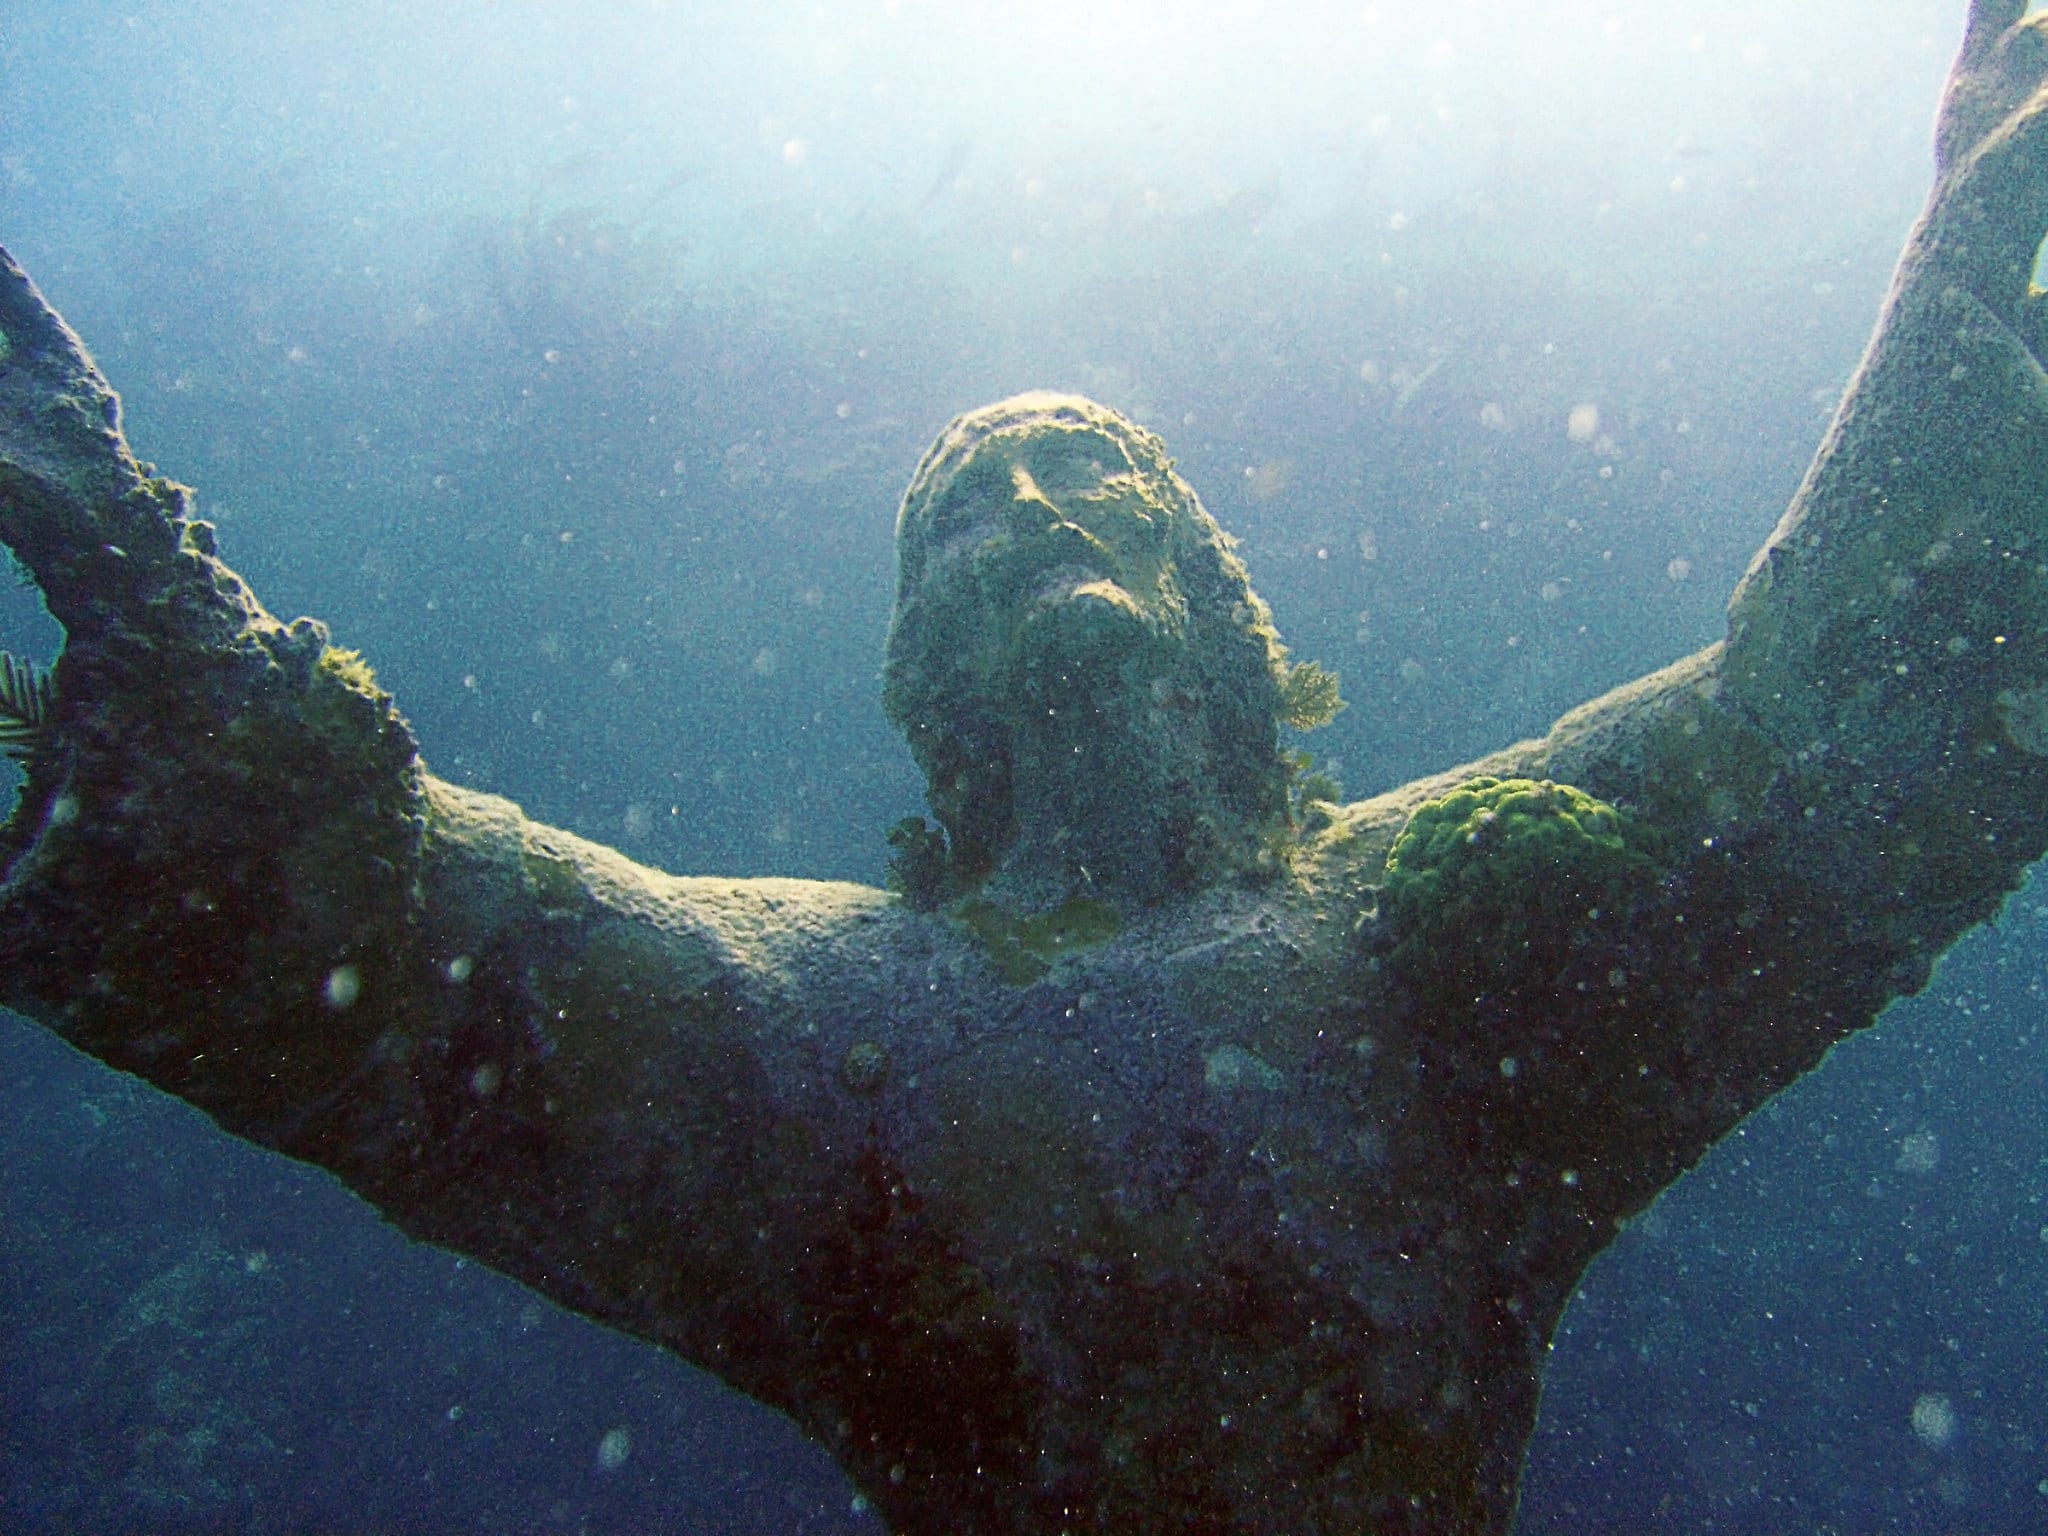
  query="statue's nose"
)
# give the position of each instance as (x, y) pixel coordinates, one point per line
(1029, 501)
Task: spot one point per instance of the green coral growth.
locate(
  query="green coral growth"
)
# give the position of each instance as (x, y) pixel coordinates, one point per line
(1022, 949)
(1308, 695)
(26, 701)
(348, 668)
(1498, 881)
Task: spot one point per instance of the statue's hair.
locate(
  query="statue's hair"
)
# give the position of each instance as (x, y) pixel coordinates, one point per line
(1231, 659)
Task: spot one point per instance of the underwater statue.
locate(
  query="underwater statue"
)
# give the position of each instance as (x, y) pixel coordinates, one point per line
(1177, 1150)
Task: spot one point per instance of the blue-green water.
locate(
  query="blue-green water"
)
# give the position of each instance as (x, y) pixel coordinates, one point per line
(569, 360)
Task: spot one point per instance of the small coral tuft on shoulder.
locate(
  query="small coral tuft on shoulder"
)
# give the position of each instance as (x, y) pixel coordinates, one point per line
(348, 668)
(1308, 695)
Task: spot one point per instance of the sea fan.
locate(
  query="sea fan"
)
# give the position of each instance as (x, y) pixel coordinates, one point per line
(26, 700)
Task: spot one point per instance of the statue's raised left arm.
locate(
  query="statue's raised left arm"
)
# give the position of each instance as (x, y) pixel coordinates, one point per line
(1724, 867)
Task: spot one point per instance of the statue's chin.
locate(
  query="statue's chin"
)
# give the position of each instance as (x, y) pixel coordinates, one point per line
(1081, 636)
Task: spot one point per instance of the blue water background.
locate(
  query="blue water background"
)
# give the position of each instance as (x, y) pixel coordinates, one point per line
(569, 360)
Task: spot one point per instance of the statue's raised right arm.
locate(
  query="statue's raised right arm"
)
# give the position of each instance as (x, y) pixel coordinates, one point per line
(1175, 1151)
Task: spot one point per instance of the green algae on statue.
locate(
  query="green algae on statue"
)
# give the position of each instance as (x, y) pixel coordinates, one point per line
(1503, 875)
(1197, 1170)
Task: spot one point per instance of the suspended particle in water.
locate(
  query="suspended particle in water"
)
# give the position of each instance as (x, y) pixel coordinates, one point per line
(865, 1067)
(1919, 1153)
(344, 985)
(1934, 1420)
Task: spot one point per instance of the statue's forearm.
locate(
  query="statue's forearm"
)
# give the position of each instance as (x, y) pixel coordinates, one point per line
(230, 874)
(220, 808)
(1887, 652)
(1853, 778)
(1847, 784)
(1873, 728)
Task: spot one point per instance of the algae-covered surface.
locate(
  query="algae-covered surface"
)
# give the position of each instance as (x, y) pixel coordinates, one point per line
(572, 369)
(1022, 949)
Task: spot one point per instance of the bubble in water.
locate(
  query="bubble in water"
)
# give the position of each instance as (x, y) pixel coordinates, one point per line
(1583, 425)
(613, 1450)
(1919, 1153)
(1934, 1419)
(344, 985)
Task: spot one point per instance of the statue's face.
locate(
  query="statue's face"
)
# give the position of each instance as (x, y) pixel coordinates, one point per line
(1079, 663)
(1061, 541)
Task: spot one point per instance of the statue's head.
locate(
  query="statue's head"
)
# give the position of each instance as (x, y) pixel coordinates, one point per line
(1079, 662)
